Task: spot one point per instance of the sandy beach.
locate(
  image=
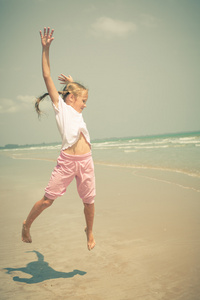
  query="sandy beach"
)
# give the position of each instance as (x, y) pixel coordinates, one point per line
(146, 230)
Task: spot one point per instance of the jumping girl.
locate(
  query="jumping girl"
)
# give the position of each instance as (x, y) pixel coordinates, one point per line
(75, 160)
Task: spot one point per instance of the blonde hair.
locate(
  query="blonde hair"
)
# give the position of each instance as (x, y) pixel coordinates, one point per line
(74, 88)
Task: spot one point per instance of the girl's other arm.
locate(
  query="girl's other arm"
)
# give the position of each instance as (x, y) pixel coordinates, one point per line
(64, 79)
(46, 40)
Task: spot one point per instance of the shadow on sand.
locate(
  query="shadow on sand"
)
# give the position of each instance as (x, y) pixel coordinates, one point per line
(40, 271)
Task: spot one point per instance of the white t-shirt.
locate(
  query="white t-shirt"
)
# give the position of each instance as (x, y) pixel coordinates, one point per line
(70, 124)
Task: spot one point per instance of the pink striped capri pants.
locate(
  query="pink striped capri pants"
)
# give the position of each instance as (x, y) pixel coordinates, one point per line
(69, 166)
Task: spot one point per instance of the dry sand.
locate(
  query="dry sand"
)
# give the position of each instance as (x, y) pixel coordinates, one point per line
(147, 235)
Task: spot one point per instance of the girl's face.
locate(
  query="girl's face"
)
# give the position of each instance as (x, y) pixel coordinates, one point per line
(79, 102)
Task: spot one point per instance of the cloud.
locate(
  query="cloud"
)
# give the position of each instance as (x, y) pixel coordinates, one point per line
(7, 106)
(20, 104)
(108, 28)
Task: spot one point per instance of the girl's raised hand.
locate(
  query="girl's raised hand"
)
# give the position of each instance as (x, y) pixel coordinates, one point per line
(64, 79)
(46, 38)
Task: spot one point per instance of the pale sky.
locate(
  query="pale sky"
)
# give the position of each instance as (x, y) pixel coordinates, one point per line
(140, 60)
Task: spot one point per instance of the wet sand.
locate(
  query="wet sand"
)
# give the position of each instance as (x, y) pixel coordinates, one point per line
(146, 231)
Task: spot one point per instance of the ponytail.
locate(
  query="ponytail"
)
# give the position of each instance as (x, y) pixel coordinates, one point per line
(37, 102)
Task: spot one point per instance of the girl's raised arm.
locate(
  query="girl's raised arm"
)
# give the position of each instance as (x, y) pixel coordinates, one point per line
(46, 40)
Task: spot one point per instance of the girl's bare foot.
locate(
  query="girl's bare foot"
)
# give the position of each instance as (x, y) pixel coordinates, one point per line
(26, 238)
(90, 239)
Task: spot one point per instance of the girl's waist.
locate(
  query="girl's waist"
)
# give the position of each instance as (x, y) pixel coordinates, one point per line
(79, 147)
(75, 157)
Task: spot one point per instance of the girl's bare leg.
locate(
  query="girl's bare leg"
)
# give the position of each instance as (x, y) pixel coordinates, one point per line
(89, 217)
(34, 213)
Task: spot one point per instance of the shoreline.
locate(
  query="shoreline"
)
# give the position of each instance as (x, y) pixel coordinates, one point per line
(139, 171)
(181, 134)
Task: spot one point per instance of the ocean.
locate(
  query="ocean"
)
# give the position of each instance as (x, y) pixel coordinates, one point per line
(174, 158)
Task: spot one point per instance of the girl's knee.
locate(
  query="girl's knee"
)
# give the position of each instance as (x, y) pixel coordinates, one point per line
(47, 202)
